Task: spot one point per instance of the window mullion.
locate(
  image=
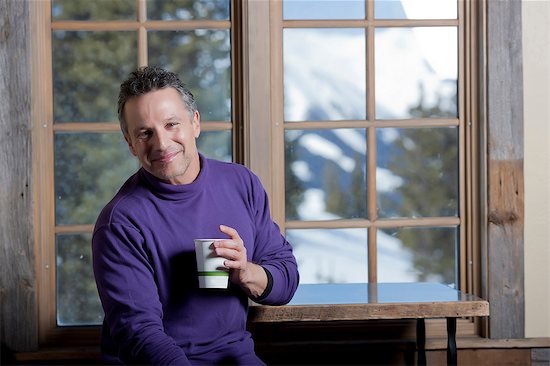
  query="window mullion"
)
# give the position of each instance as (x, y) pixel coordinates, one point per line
(371, 148)
(42, 116)
(277, 113)
(142, 32)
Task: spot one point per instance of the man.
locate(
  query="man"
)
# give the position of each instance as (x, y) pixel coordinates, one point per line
(143, 249)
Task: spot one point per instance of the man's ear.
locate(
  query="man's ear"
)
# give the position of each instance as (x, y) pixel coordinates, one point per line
(130, 145)
(196, 124)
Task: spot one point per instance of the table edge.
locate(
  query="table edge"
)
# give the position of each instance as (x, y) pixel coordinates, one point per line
(335, 312)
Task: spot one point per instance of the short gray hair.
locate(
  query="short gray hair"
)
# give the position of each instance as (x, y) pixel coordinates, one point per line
(147, 79)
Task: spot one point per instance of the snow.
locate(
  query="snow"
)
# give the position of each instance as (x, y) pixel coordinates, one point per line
(313, 206)
(301, 170)
(318, 145)
(340, 256)
(386, 181)
(325, 74)
(352, 139)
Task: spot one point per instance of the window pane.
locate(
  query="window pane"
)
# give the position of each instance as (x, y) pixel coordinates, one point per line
(416, 72)
(324, 74)
(77, 299)
(323, 9)
(330, 255)
(415, 9)
(203, 60)
(216, 145)
(187, 9)
(417, 172)
(418, 255)
(88, 68)
(325, 174)
(94, 10)
(89, 170)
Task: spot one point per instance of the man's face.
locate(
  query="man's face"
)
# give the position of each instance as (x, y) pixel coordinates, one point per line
(162, 134)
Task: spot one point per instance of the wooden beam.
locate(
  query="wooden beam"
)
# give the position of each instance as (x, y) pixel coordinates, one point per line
(18, 316)
(257, 91)
(505, 188)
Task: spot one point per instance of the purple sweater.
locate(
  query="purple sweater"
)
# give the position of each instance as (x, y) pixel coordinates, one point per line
(145, 269)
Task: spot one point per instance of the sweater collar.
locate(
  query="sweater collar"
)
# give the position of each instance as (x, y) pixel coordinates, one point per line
(176, 191)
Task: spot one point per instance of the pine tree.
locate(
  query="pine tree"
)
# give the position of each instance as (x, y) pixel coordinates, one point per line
(427, 161)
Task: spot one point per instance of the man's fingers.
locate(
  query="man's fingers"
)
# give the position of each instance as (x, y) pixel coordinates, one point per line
(232, 249)
(228, 253)
(233, 234)
(229, 243)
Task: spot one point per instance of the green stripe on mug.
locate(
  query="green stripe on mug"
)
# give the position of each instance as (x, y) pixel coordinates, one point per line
(214, 273)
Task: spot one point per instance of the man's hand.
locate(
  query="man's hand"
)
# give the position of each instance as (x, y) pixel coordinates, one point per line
(249, 276)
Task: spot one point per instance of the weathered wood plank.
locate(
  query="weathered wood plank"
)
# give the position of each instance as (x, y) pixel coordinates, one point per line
(505, 191)
(18, 319)
(261, 314)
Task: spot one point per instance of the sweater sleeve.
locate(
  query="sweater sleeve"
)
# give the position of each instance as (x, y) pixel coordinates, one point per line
(273, 252)
(133, 312)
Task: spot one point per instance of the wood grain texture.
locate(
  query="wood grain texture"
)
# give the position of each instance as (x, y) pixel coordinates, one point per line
(411, 310)
(505, 191)
(18, 320)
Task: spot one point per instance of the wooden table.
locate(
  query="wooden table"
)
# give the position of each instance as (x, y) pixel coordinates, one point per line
(332, 302)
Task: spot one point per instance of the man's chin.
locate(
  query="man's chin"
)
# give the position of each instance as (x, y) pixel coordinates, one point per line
(171, 173)
(161, 174)
(170, 178)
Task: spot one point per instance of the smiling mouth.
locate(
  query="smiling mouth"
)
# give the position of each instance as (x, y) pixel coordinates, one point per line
(166, 158)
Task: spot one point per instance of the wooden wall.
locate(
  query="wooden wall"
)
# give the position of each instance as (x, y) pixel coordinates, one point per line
(505, 196)
(18, 319)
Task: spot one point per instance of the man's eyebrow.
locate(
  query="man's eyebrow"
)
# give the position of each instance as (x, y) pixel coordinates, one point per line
(139, 129)
(171, 119)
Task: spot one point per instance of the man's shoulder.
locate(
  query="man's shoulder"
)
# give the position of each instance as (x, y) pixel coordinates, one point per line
(230, 168)
(237, 177)
(125, 201)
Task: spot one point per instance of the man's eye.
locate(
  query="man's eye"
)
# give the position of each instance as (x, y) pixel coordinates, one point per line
(143, 135)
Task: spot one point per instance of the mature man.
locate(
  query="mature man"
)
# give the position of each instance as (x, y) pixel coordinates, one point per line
(143, 250)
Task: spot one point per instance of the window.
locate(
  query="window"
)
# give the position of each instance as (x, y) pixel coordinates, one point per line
(93, 46)
(364, 136)
(373, 137)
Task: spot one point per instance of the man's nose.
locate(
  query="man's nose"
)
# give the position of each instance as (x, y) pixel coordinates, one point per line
(160, 140)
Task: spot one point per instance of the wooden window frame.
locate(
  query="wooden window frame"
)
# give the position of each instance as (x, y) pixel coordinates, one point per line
(371, 124)
(46, 229)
